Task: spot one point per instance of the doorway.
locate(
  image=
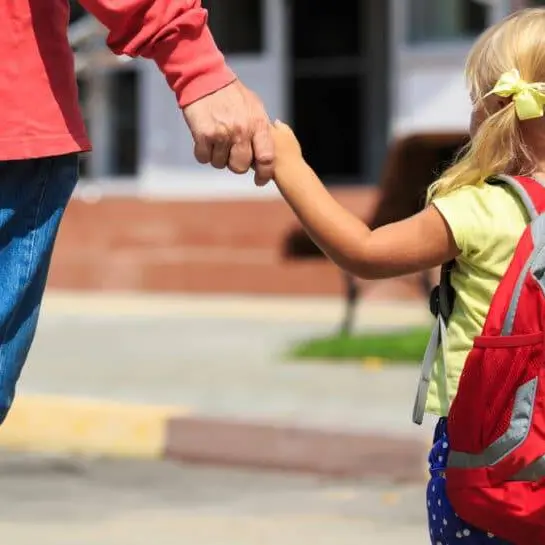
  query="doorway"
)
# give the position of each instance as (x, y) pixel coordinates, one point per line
(338, 86)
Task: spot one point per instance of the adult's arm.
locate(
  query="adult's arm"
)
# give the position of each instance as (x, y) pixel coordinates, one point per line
(175, 34)
(229, 124)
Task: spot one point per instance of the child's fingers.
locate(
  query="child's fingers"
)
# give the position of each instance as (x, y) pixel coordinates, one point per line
(284, 130)
(280, 125)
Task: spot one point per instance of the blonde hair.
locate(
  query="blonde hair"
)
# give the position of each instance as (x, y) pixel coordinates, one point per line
(517, 42)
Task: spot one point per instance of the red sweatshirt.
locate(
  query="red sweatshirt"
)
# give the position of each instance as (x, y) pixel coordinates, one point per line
(39, 112)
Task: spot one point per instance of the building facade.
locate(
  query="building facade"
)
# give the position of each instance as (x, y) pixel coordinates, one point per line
(349, 80)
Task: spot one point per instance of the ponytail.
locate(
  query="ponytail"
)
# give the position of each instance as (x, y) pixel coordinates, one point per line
(496, 148)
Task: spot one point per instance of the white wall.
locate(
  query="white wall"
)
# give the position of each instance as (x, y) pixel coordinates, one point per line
(429, 92)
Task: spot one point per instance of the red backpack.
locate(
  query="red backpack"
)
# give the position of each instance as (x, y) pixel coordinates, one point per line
(495, 474)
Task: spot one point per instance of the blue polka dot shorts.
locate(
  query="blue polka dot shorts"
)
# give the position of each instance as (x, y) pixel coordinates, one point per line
(446, 528)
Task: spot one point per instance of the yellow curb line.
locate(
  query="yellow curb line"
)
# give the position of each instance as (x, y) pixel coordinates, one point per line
(64, 425)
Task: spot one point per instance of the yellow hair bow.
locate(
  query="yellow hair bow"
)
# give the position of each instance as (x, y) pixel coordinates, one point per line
(529, 98)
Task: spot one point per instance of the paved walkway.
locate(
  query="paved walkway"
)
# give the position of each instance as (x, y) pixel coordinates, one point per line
(66, 501)
(219, 357)
(207, 379)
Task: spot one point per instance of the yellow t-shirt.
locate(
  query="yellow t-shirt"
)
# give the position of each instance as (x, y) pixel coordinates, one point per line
(487, 222)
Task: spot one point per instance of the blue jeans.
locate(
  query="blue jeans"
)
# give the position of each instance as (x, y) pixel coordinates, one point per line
(33, 197)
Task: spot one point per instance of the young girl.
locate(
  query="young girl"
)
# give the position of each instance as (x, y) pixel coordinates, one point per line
(467, 220)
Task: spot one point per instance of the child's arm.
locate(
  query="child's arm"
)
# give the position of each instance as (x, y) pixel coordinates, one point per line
(418, 243)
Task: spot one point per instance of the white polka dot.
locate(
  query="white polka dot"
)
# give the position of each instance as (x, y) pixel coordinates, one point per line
(433, 488)
(459, 535)
(445, 445)
(466, 532)
(434, 516)
(456, 515)
(440, 458)
(445, 522)
(490, 535)
(438, 543)
(439, 503)
(429, 503)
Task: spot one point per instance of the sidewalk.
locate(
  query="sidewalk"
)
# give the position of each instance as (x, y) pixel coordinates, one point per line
(205, 379)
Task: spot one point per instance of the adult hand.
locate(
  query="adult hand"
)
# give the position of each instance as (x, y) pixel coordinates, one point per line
(232, 129)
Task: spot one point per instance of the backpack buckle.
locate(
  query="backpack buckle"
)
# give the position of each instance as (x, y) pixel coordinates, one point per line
(434, 301)
(442, 301)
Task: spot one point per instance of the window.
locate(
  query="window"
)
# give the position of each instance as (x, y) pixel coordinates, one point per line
(327, 118)
(338, 72)
(124, 122)
(331, 31)
(118, 125)
(237, 25)
(446, 20)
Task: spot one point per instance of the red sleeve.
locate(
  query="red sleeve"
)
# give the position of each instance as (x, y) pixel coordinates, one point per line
(175, 34)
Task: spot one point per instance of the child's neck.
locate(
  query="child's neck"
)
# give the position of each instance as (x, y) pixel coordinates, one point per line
(534, 139)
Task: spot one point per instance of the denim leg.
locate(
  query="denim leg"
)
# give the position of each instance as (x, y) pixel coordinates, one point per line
(33, 197)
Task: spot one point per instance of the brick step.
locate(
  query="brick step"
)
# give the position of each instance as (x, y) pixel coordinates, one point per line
(314, 277)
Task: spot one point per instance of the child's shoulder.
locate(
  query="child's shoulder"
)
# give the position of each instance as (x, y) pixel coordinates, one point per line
(483, 198)
(476, 213)
(475, 191)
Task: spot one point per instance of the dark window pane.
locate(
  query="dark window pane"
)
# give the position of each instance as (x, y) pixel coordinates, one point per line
(237, 25)
(445, 20)
(122, 124)
(124, 100)
(327, 118)
(325, 29)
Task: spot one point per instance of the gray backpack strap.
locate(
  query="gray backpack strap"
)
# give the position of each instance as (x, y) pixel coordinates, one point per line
(441, 303)
(520, 191)
(438, 339)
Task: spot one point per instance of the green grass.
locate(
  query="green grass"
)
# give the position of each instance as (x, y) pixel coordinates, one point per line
(398, 346)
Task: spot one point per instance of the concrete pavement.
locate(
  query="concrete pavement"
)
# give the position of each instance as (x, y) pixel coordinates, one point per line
(121, 374)
(81, 501)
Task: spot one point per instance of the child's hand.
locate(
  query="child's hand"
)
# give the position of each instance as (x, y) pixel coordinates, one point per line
(286, 146)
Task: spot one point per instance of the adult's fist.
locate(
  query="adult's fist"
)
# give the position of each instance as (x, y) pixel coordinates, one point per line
(231, 128)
